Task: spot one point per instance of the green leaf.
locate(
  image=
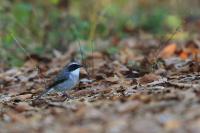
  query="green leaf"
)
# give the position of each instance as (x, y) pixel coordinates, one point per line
(173, 21)
(55, 1)
(22, 12)
(112, 50)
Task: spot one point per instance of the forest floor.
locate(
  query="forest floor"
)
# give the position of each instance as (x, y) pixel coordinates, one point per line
(128, 91)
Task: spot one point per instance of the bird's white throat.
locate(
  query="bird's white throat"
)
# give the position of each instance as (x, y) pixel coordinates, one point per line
(76, 73)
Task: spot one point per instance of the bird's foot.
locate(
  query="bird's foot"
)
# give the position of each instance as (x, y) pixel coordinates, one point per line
(66, 96)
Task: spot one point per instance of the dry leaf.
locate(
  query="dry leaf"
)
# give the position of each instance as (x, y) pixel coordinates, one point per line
(15, 117)
(23, 97)
(184, 55)
(168, 51)
(112, 79)
(129, 106)
(22, 106)
(148, 78)
(172, 124)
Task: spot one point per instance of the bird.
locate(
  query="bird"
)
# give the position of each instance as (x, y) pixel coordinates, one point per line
(66, 79)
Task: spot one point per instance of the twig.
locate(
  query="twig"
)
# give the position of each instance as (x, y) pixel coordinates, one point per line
(28, 55)
(22, 48)
(163, 43)
(184, 85)
(92, 47)
(170, 38)
(93, 91)
(81, 51)
(84, 63)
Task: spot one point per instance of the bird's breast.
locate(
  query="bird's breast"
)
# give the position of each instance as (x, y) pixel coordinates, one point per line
(74, 76)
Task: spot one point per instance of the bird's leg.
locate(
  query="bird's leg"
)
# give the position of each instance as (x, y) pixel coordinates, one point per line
(65, 95)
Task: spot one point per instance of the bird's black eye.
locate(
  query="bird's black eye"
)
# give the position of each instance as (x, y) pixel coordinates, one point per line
(73, 67)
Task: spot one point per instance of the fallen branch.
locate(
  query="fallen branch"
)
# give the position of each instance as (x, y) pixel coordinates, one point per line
(183, 85)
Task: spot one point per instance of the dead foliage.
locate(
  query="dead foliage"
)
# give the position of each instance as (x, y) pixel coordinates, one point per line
(128, 92)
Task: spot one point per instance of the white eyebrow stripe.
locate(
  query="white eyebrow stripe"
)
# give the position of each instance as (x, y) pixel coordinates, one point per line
(73, 63)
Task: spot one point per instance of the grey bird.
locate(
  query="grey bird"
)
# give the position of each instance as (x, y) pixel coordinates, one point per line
(66, 79)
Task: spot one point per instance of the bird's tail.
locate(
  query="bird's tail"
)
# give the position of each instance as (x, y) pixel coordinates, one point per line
(44, 93)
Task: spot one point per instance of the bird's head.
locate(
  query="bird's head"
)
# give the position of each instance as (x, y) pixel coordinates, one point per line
(73, 66)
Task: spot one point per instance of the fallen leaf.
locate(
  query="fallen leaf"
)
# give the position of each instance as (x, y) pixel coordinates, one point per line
(22, 106)
(148, 78)
(112, 79)
(129, 106)
(15, 117)
(23, 97)
(172, 124)
(168, 51)
(126, 54)
(184, 55)
(95, 55)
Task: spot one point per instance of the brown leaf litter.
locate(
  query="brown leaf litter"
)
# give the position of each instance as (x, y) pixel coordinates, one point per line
(121, 96)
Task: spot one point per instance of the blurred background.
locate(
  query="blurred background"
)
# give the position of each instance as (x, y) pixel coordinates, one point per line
(43, 26)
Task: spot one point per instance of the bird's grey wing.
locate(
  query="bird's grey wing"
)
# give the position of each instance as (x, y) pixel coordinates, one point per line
(61, 77)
